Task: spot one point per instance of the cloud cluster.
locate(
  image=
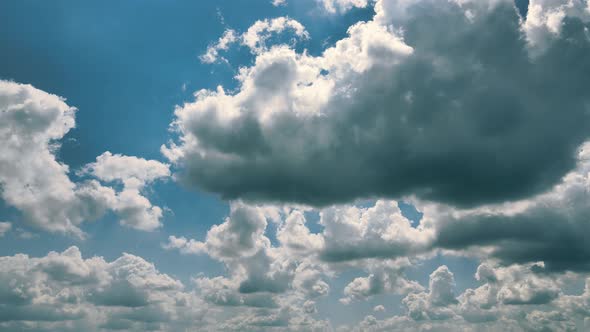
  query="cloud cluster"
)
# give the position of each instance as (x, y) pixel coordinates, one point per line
(32, 122)
(445, 100)
(515, 298)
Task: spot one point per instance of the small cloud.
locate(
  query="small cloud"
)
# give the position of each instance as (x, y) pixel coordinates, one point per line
(379, 308)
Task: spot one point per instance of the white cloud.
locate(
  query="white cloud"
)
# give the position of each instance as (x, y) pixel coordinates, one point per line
(212, 55)
(255, 37)
(134, 209)
(133, 172)
(33, 181)
(352, 233)
(385, 279)
(333, 6)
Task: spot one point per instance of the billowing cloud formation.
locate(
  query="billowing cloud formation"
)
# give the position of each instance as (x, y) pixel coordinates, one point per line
(32, 180)
(443, 100)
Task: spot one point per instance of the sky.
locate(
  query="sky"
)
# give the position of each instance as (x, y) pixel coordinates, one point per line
(295, 165)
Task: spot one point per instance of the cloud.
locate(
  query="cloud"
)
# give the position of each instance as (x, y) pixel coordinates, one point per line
(32, 180)
(67, 292)
(485, 308)
(241, 235)
(293, 271)
(549, 227)
(333, 6)
(255, 37)
(434, 303)
(381, 231)
(64, 291)
(449, 105)
(212, 55)
(474, 114)
(547, 18)
(269, 285)
(388, 279)
(134, 209)
(37, 184)
(379, 308)
(131, 171)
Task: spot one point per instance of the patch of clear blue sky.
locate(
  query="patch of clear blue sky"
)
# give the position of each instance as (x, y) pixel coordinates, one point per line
(123, 65)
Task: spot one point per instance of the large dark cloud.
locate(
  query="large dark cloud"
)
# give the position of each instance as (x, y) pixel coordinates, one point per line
(471, 116)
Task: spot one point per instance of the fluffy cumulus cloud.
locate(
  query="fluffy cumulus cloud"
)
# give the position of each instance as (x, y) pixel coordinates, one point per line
(32, 123)
(449, 101)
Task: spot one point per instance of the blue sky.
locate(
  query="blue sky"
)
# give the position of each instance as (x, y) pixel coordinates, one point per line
(433, 109)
